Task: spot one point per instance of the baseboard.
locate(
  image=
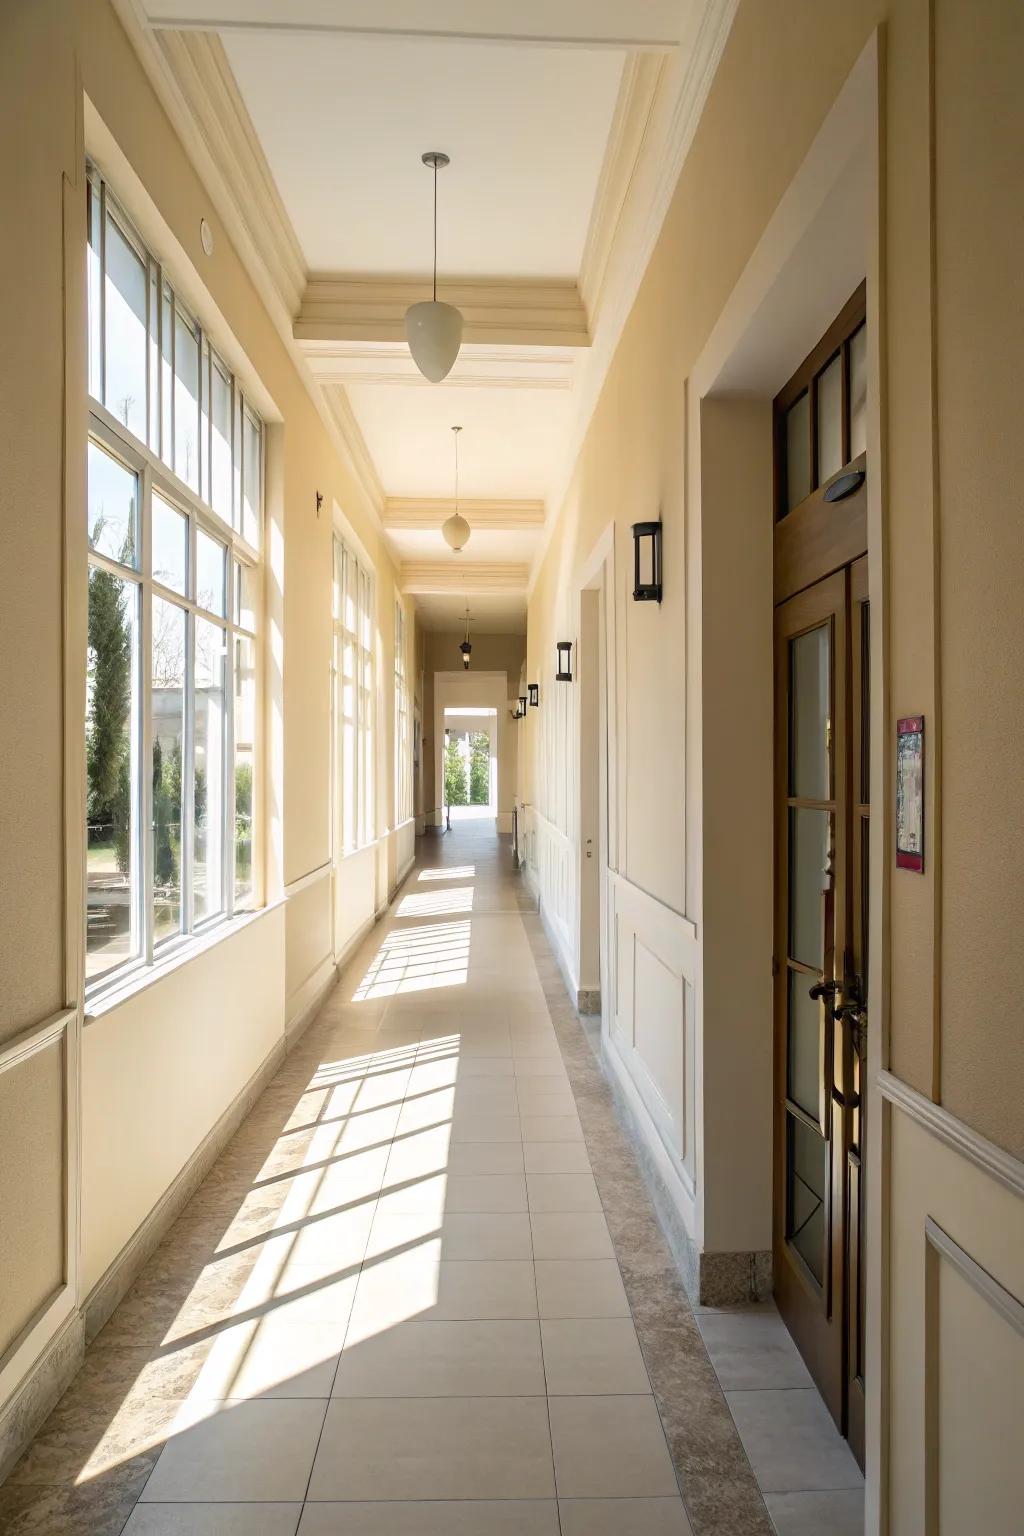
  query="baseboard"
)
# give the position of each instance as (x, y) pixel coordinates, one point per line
(124, 1269)
(38, 1394)
(588, 1000)
(404, 871)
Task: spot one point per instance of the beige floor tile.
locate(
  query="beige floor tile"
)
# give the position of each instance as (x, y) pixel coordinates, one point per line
(410, 1287)
(580, 1288)
(442, 1359)
(434, 1448)
(551, 1128)
(487, 1128)
(464, 1517)
(839, 1512)
(555, 1157)
(572, 1192)
(624, 1517)
(593, 1355)
(456, 1236)
(295, 1294)
(610, 1447)
(213, 1520)
(568, 1235)
(238, 1452)
(271, 1357)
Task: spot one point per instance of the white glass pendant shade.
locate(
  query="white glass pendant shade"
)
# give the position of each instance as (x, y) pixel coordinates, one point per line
(456, 531)
(434, 332)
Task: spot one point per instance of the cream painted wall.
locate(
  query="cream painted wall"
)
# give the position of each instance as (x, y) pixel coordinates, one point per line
(159, 1070)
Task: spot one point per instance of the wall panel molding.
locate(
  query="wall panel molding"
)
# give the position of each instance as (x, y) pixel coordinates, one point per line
(984, 1154)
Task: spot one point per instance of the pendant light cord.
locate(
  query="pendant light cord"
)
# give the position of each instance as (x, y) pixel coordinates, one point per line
(435, 236)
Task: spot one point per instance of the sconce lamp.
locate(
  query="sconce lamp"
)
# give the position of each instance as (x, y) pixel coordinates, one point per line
(522, 705)
(533, 689)
(564, 672)
(647, 562)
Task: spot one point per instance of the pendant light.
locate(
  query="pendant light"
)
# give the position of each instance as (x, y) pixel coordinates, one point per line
(455, 528)
(465, 647)
(434, 330)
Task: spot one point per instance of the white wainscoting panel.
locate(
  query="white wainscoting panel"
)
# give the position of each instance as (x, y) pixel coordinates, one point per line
(651, 1021)
(551, 867)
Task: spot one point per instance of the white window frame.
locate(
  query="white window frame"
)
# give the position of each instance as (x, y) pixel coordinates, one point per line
(403, 743)
(353, 662)
(154, 475)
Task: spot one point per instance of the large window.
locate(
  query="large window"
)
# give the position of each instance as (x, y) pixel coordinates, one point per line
(354, 701)
(174, 509)
(403, 745)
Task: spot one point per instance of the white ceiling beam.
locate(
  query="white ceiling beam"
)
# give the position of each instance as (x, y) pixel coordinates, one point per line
(653, 24)
(349, 362)
(463, 578)
(499, 516)
(523, 313)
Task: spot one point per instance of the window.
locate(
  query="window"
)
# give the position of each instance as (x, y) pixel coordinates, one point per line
(174, 497)
(403, 758)
(354, 701)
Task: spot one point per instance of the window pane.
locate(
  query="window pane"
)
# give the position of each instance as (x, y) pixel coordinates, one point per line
(170, 545)
(167, 381)
(210, 563)
(830, 420)
(246, 587)
(94, 278)
(806, 1172)
(803, 1044)
(220, 415)
(809, 688)
(112, 875)
(859, 392)
(245, 763)
(168, 704)
(808, 860)
(208, 784)
(252, 470)
(113, 507)
(126, 340)
(798, 452)
(186, 400)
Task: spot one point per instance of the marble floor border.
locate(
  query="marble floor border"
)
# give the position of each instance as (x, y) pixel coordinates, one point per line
(715, 1477)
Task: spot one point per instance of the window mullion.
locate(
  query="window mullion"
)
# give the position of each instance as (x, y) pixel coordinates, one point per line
(103, 291)
(228, 798)
(146, 702)
(188, 748)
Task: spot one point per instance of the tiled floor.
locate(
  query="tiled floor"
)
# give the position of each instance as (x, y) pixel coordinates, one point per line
(423, 1291)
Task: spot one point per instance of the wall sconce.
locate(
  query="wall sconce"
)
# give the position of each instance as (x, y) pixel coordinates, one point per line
(522, 705)
(533, 689)
(465, 647)
(564, 672)
(647, 562)
(519, 711)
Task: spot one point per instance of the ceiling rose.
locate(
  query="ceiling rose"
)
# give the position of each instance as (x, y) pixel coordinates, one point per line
(434, 330)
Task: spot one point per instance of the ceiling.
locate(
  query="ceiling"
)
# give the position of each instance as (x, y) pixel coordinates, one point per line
(566, 122)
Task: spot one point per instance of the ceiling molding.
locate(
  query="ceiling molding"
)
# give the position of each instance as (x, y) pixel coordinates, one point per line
(549, 23)
(203, 78)
(682, 89)
(411, 512)
(460, 577)
(349, 439)
(514, 313)
(341, 362)
(641, 79)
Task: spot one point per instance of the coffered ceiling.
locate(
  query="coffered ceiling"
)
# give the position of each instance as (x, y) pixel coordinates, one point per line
(567, 122)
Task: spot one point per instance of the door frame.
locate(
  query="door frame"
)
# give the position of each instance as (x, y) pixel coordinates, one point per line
(597, 575)
(806, 264)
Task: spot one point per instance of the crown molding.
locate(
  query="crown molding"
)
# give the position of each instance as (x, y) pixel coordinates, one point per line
(549, 23)
(415, 512)
(684, 81)
(340, 362)
(512, 313)
(438, 577)
(344, 429)
(641, 79)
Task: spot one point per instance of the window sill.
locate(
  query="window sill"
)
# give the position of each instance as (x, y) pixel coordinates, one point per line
(115, 993)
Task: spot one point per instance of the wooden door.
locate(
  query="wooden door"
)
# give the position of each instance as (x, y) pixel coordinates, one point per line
(822, 672)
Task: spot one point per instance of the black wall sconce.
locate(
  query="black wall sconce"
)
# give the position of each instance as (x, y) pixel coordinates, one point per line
(564, 672)
(522, 706)
(647, 562)
(533, 689)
